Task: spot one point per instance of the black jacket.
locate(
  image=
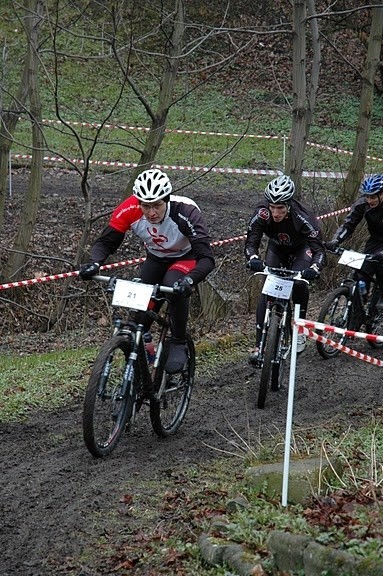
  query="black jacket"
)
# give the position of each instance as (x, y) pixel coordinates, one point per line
(299, 228)
(374, 220)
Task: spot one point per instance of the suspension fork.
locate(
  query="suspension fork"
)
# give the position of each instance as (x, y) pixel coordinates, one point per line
(265, 329)
(284, 312)
(355, 309)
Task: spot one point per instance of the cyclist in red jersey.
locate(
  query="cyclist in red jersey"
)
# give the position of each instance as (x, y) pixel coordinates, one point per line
(177, 244)
(294, 242)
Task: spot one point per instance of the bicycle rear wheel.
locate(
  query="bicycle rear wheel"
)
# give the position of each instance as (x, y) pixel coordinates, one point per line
(282, 353)
(334, 312)
(374, 324)
(168, 412)
(106, 407)
(268, 357)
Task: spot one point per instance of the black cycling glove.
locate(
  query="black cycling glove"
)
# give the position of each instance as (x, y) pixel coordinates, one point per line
(87, 271)
(184, 286)
(332, 245)
(310, 274)
(256, 264)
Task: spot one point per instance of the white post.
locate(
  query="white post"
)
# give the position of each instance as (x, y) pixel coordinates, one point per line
(290, 402)
(284, 153)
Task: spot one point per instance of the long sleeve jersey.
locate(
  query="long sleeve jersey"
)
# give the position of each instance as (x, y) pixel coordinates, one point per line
(300, 227)
(374, 220)
(182, 234)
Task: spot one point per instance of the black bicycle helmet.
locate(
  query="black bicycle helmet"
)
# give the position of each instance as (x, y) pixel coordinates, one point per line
(152, 185)
(372, 185)
(280, 190)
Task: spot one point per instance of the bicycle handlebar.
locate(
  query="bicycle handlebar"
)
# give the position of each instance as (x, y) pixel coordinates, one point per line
(283, 273)
(156, 287)
(368, 257)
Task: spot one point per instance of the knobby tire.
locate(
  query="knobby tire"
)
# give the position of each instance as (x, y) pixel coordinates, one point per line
(374, 324)
(268, 357)
(333, 314)
(278, 368)
(106, 411)
(168, 412)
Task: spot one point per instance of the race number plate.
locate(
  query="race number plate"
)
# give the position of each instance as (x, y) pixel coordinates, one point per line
(132, 295)
(277, 287)
(352, 259)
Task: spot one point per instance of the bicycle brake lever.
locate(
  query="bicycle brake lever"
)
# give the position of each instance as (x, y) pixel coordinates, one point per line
(111, 284)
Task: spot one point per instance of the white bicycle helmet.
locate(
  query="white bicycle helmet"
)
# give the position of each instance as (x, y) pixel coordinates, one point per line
(152, 185)
(280, 190)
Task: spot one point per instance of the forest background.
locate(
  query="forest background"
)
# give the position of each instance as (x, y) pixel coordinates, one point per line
(307, 77)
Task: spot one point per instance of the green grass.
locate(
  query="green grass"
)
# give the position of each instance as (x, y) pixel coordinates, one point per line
(41, 382)
(88, 88)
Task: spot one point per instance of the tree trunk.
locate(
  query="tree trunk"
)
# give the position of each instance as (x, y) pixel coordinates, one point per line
(7, 128)
(358, 159)
(303, 106)
(169, 76)
(13, 267)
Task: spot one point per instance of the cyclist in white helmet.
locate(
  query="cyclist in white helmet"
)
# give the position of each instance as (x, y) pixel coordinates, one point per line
(294, 242)
(177, 243)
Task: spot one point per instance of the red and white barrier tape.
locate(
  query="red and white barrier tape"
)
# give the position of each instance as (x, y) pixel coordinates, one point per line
(339, 150)
(252, 171)
(167, 130)
(43, 279)
(341, 211)
(338, 330)
(349, 351)
(202, 133)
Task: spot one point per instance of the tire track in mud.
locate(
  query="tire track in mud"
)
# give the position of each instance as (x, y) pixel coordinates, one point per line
(57, 499)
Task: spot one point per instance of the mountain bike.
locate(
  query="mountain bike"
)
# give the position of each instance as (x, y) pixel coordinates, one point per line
(124, 378)
(275, 344)
(349, 307)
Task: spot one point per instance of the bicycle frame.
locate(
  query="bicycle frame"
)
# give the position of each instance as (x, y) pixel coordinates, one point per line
(357, 311)
(275, 341)
(345, 307)
(281, 305)
(136, 329)
(122, 380)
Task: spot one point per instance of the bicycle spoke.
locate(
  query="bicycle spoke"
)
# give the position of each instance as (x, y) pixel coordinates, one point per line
(168, 411)
(334, 312)
(107, 405)
(269, 354)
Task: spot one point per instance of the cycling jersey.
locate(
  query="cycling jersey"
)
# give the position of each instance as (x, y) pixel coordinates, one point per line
(298, 229)
(374, 220)
(182, 234)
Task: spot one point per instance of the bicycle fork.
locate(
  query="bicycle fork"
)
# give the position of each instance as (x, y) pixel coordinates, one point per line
(262, 344)
(283, 350)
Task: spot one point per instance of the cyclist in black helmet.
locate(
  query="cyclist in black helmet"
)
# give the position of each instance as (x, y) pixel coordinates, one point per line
(294, 243)
(369, 207)
(177, 243)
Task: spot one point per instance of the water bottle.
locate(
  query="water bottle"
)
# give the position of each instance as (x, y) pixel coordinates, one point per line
(362, 289)
(149, 347)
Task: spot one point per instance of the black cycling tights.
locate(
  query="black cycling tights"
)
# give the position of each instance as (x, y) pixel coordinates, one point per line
(153, 272)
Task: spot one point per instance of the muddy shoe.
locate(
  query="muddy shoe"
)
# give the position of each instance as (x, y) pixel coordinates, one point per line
(301, 343)
(177, 356)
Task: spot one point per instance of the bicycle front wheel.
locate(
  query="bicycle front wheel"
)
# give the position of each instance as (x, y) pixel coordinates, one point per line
(282, 353)
(108, 404)
(168, 411)
(374, 324)
(334, 312)
(268, 358)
